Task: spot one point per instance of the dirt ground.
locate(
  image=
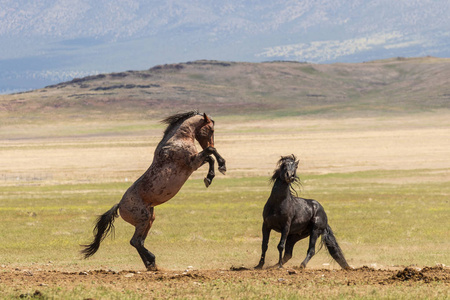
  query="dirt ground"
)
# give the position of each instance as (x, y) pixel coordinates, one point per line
(39, 280)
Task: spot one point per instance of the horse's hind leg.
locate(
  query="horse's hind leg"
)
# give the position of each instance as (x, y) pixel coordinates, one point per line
(290, 242)
(315, 233)
(138, 239)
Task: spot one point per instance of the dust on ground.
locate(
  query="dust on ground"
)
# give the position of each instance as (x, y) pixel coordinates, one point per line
(38, 280)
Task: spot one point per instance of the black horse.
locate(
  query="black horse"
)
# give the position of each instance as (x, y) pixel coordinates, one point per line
(296, 218)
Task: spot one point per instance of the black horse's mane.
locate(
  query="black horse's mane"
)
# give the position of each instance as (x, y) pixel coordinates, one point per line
(277, 173)
(280, 163)
(173, 120)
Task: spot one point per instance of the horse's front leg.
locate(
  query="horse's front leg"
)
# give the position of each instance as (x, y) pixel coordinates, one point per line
(282, 244)
(211, 174)
(264, 245)
(200, 159)
(204, 156)
(220, 159)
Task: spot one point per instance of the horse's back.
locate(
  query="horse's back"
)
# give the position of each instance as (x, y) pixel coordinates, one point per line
(308, 212)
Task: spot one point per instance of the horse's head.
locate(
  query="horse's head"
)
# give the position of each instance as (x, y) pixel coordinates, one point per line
(204, 133)
(286, 169)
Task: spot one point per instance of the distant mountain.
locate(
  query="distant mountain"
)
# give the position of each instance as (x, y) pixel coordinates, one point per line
(49, 41)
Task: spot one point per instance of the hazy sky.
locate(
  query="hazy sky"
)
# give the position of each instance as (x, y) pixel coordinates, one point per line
(48, 41)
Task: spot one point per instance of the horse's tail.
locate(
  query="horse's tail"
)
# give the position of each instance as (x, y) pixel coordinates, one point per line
(101, 230)
(335, 251)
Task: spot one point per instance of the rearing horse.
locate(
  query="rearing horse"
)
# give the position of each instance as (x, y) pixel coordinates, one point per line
(175, 159)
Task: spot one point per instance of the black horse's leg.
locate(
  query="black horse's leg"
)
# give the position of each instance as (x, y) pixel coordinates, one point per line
(138, 239)
(290, 242)
(264, 245)
(282, 243)
(211, 174)
(315, 233)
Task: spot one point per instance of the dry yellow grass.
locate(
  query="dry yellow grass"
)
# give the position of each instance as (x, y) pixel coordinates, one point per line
(251, 148)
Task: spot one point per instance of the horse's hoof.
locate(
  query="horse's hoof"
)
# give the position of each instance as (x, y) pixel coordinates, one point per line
(275, 266)
(223, 169)
(152, 268)
(207, 182)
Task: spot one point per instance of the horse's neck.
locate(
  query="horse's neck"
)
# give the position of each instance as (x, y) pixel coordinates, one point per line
(280, 191)
(185, 131)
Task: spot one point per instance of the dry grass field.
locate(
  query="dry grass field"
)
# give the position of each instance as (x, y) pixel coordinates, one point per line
(381, 171)
(351, 165)
(417, 141)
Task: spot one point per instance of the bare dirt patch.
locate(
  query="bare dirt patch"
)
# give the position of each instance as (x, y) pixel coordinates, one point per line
(39, 280)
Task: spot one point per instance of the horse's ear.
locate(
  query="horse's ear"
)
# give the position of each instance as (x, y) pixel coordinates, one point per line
(206, 118)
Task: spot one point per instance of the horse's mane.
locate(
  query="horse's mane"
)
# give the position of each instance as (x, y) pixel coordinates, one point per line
(282, 160)
(174, 120)
(277, 172)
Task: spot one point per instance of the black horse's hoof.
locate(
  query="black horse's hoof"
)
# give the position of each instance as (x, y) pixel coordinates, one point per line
(207, 182)
(152, 268)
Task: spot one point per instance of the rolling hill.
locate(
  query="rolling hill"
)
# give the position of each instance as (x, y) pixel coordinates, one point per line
(274, 89)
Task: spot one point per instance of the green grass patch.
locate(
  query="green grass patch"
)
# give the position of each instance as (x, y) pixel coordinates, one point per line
(376, 222)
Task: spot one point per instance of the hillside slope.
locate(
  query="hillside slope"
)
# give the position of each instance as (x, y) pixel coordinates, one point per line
(272, 88)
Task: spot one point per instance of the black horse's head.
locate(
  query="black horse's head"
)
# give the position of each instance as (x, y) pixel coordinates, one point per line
(286, 169)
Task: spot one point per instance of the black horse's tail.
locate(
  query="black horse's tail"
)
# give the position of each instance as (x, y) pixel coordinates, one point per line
(101, 230)
(333, 248)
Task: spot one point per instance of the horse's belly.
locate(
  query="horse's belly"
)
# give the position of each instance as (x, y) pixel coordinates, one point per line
(303, 229)
(162, 187)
